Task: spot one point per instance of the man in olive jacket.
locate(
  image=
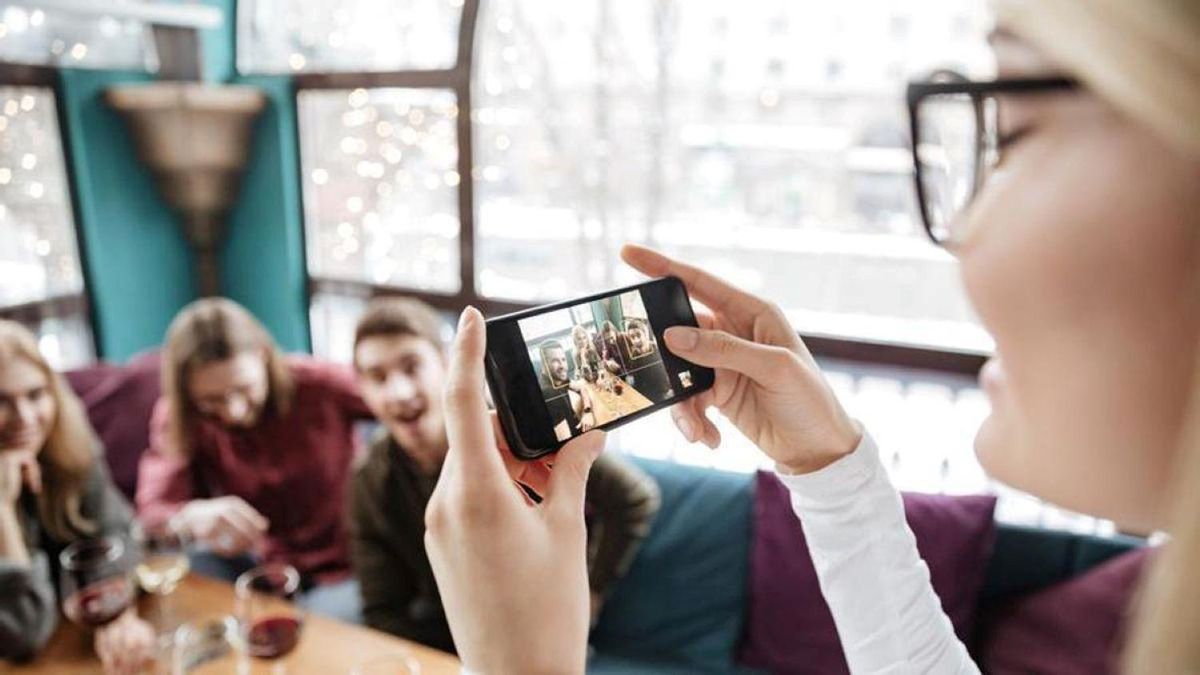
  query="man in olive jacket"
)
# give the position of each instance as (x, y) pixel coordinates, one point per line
(400, 362)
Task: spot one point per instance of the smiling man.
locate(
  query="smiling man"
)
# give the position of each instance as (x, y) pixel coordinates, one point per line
(401, 367)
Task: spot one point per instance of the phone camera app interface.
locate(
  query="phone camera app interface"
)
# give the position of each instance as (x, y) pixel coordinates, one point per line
(597, 362)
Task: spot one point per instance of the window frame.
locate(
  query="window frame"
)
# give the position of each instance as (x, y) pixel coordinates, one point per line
(68, 304)
(458, 79)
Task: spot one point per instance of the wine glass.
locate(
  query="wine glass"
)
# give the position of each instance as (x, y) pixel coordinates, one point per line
(95, 580)
(163, 564)
(390, 664)
(268, 617)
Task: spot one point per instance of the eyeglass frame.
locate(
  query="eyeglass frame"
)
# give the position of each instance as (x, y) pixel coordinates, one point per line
(918, 91)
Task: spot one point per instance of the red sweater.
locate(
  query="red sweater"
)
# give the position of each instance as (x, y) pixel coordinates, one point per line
(293, 469)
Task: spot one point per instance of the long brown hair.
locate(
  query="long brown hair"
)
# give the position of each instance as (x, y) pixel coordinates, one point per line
(70, 453)
(209, 330)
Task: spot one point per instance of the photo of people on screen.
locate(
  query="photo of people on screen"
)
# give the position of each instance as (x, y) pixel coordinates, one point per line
(596, 362)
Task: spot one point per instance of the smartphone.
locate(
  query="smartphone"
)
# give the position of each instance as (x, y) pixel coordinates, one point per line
(595, 362)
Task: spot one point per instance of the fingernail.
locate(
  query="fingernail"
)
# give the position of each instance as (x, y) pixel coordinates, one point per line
(681, 338)
(689, 431)
(468, 315)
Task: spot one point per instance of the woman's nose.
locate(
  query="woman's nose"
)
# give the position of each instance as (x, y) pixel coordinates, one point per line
(25, 412)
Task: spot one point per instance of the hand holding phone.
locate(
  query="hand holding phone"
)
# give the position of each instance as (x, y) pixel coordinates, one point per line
(512, 574)
(596, 362)
(767, 383)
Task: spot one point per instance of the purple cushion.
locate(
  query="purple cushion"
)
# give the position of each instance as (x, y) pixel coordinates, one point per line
(119, 400)
(1071, 627)
(790, 629)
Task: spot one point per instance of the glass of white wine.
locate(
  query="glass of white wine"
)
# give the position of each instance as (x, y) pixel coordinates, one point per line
(163, 565)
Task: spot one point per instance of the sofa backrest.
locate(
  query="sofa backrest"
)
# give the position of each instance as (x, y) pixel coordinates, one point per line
(119, 400)
(685, 596)
(1027, 559)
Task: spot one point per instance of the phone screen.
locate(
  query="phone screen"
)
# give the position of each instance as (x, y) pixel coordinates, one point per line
(597, 361)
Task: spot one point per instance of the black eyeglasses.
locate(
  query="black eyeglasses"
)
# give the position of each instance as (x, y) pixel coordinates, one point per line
(956, 141)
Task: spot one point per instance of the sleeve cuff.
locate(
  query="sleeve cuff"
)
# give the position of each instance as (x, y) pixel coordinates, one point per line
(840, 479)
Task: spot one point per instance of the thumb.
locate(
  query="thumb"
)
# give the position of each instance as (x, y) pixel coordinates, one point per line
(568, 480)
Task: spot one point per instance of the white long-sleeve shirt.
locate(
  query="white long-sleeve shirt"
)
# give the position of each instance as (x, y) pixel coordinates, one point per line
(876, 584)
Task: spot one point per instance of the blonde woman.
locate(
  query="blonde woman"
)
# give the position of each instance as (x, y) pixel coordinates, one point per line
(54, 489)
(1079, 242)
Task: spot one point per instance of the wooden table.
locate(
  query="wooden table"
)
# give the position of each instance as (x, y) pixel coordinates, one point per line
(608, 406)
(327, 647)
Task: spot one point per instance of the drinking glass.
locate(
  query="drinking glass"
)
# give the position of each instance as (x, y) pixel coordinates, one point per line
(268, 617)
(95, 582)
(162, 566)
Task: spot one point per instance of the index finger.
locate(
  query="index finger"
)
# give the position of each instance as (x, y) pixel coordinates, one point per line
(468, 427)
(738, 305)
(252, 517)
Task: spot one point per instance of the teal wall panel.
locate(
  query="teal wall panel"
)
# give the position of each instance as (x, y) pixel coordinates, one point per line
(138, 263)
(263, 263)
(139, 271)
(217, 44)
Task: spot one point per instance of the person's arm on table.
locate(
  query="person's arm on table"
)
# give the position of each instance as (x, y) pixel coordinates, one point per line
(166, 495)
(126, 645)
(28, 610)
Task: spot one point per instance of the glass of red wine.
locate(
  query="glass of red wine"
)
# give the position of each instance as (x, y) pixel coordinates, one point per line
(268, 616)
(96, 581)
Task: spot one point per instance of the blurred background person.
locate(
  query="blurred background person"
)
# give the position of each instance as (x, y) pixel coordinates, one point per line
(401, 366)
(54, 490)
(251, 452)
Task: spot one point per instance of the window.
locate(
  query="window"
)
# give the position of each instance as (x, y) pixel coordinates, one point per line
(380, 181)
(39, 259)
(56, 36)
(276, 36)
(764, 140)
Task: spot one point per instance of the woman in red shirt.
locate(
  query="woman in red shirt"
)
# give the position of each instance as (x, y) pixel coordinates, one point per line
(250, 452)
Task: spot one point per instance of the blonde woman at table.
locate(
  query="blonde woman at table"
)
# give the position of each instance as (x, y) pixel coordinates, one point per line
(54, 489)
(1079, 246)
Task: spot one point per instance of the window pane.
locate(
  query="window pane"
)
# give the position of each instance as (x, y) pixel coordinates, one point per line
(348, 35)
(38, 256)
(39, 259)
(765, 141)
(29, 34)
(66, 341)
(380, 181)
(333, 318)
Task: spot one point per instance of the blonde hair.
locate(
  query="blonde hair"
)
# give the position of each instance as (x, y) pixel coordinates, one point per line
(1166, 635)
(209, 330)
(1144, 59)
(70, 453)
